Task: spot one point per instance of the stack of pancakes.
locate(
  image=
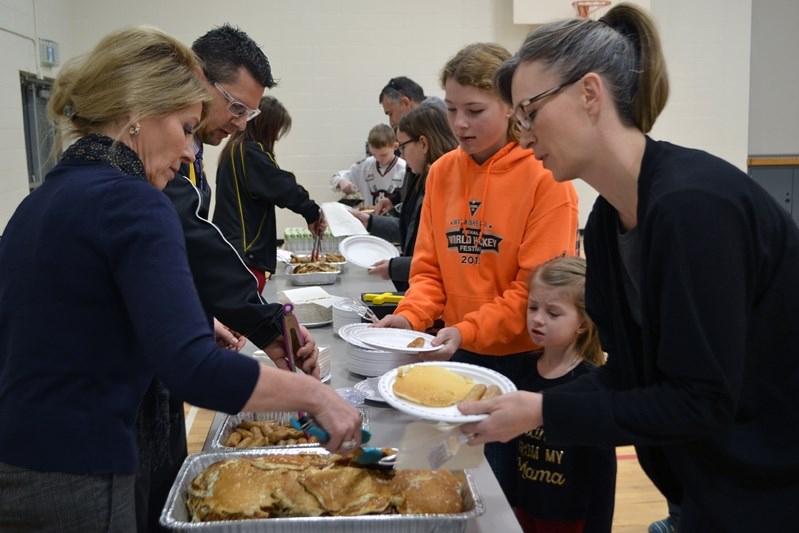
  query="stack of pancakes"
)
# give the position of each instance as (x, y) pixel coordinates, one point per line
(315, 485)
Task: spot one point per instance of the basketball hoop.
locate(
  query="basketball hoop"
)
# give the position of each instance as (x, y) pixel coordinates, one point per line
(585, 7)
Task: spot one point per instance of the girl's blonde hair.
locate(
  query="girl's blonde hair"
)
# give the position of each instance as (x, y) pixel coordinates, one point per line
(569, 273)
(132, 73)
(474, 66)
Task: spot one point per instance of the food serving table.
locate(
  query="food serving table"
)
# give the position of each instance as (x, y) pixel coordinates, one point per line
(385, 423)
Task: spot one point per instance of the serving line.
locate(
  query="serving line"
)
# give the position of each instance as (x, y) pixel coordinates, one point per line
(385, 423)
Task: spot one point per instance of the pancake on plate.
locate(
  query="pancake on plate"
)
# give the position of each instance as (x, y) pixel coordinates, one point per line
(431, 386)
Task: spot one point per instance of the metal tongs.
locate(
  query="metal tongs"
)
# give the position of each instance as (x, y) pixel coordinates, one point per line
(317, 242)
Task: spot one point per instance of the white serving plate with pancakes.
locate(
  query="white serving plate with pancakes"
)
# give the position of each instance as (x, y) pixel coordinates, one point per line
(443, 414)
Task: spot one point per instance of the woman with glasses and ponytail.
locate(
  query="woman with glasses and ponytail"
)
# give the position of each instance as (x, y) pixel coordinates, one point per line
(692, 280)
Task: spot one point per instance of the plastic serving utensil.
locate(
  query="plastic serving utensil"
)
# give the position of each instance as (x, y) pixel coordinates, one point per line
(384, 298)
(292, 337)
(364, 456)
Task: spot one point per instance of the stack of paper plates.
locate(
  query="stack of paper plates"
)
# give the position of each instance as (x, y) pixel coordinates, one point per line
(343, 314)
(366, 361)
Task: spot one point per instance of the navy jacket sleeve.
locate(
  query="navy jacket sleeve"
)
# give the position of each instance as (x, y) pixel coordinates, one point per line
(226, 287)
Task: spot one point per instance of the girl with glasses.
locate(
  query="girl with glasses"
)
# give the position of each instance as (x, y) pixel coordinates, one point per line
(491, 214)
(692, 280)
(424, 135)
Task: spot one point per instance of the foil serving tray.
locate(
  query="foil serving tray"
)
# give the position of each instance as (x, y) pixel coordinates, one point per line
(230, 422)
(311, 278)
(175, 514)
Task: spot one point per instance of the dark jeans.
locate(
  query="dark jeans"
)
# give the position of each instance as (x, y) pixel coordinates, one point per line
(52, 501)
(501, 456)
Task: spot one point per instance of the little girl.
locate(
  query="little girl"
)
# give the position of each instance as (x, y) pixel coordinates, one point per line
(561, 489)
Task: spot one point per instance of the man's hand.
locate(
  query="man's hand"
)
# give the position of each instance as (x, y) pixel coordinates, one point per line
(308, 354)
(227, 338)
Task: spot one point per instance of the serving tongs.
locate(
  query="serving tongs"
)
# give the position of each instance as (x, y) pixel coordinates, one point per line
(294, 340)
(292, 337)
(317, 242)
(366, 456)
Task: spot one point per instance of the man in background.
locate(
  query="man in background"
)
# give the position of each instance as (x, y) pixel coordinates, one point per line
(401, 95)
(398, 97)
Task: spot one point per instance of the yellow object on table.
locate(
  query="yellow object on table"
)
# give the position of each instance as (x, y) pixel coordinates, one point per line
(384, 298)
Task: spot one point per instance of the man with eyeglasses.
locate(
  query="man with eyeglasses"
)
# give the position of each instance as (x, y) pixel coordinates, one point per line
(237, 72)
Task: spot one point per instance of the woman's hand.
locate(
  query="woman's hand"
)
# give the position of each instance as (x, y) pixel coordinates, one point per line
(450, 338)
(380, 269)
(383, 206)
(341, 421)
(509, 415)
(277, 391)
(318, 228)
(393, 321)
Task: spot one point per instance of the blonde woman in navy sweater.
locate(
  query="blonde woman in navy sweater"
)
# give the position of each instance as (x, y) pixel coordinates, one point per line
(78, 352)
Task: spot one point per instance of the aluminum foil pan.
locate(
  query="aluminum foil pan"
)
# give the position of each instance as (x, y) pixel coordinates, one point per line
(230, 422)
(312, 278)
(176, 515)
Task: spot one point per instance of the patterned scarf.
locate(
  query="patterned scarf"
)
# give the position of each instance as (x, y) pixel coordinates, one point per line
(96, 147)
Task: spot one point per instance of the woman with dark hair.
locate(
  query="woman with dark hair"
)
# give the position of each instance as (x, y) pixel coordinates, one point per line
(250, 184)
(424, 135)
(692, 280)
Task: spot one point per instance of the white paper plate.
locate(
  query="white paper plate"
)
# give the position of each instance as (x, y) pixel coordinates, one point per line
(369, 388)
(395, 340)
(317, 324)
(366, 250)
(443, 414)
(346, 332)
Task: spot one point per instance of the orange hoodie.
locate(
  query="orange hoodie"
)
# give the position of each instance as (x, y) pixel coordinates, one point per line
(483, 229)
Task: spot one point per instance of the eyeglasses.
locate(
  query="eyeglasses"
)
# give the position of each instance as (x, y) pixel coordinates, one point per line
(525, 118)
(401, 146)
(236, 108)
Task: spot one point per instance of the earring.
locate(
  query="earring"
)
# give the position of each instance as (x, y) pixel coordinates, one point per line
(134, 130)
(507, 115)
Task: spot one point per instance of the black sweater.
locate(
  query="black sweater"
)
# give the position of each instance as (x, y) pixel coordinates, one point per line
(706, 387)
(562, 482)
(227, 289)
(249, 185)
